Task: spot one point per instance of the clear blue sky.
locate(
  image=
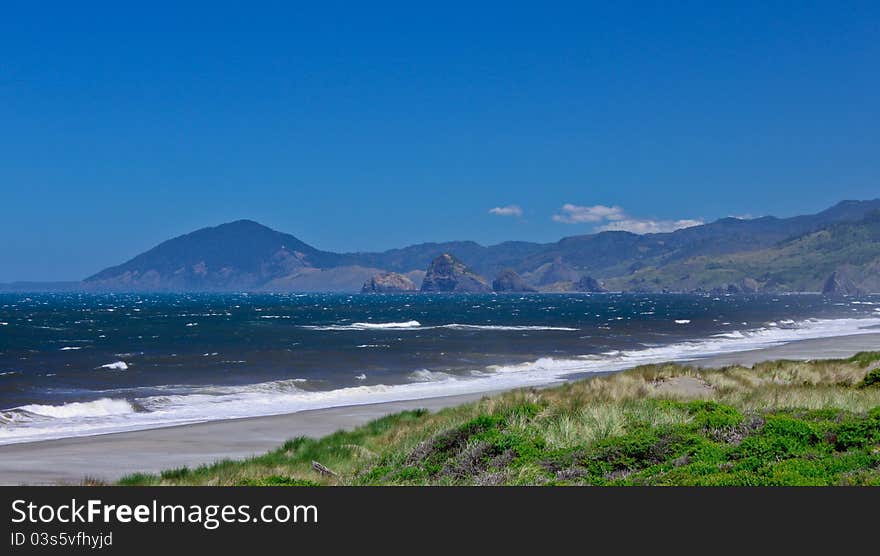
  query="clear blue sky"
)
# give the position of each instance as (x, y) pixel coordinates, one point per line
(370, 127)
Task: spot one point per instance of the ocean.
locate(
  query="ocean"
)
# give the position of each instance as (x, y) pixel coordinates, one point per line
(78, 364)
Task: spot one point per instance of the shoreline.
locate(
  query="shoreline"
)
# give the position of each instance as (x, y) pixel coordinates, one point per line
(108, 457)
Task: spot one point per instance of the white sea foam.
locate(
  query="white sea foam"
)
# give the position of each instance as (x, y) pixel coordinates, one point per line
(70, 348)
(455, 326)
(416, 325)
(98, 408)
(682, 321)
(116, 366)
(424, 375)
(408, 325)
(198, 404)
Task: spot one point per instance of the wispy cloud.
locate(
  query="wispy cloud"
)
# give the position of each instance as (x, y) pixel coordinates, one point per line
(509, 210)
(637, 226)
(575, 214)
(614, 218)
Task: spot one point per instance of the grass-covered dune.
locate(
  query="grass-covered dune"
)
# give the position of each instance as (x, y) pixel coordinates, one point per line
(778, 423)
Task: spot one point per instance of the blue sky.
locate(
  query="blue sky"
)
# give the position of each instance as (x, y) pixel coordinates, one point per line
(370, 127)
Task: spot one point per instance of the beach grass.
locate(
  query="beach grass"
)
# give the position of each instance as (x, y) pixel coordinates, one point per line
(776, 423)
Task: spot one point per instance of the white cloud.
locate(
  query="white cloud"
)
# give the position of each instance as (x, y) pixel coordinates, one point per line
(509, 210)
(614, 218)
(574, 214)
(648, 226)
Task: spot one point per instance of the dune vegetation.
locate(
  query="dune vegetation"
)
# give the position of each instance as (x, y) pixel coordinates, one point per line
(777, 423)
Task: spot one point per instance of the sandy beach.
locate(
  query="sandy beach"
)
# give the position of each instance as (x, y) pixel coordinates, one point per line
(110, 456)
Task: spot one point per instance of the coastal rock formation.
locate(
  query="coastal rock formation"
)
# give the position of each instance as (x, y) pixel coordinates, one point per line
(589, 284)
(746, 285)
(749, 285)
(448, 274)
(510, 281)
(841, 282)
(388, 282)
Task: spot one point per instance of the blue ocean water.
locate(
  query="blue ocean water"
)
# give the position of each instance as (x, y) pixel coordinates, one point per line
(76, 364)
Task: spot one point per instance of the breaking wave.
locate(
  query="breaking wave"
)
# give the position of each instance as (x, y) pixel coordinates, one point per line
(98, 408)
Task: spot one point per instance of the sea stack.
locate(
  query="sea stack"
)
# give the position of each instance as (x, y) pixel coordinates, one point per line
(448, 274)
(841, 283)
(388, 282)
(510, 281)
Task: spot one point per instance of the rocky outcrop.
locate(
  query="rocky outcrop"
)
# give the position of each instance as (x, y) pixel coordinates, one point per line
(388, 282)
(841, 282)
(589, 284)
(510, 281)
(749, 285)
(746, 285)
(448, 274)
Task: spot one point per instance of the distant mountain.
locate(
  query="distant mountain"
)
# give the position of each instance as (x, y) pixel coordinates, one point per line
(617, 253)
(239, 255)
(730, 254)
(802, 263)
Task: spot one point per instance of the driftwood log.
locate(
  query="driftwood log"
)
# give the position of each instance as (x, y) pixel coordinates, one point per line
(323, 469)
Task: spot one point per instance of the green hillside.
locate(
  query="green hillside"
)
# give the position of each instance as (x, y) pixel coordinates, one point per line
(800, 264)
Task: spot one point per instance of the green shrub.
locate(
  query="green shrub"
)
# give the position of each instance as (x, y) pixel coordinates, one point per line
(796, 430)
(713, 415)
(871, 379)
(857, 432)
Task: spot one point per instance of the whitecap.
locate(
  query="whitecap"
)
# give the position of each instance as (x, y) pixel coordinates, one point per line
(408, 325)
(116, 366)
(456, 326)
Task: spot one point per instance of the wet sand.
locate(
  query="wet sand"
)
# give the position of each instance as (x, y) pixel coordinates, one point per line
(110, 456)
